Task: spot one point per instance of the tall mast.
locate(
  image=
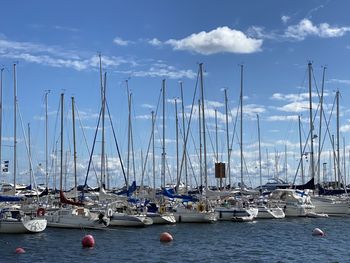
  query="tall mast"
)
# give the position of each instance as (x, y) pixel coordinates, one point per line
(74, 146)
(61, 163)
(301, 153)
(46, 142)
(1, 72)
(216, 137)
(203, 122)
(200, 145)
(184, 133)
(30, 156)
(228, 142)
(153, 157)
(285, 162)
(177, 142)
(129, 136)
(311, 124)
(260, 174)
(320, 131)
(338, 142)
(163, 146)
(241, 132)
(103, 163)
(14, 128)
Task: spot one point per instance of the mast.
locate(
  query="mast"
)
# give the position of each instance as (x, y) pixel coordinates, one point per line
(301, 153)
(46, 142)
(30, 156)
(338, 142)
(203, 122)
(153, 157)
(61, 157)
(311, 125)
(103, 163)
(260, 174)
(1, 72)
(184, 134)
(216, 146)
(241, 132)
(285, 162)
(320, 130)
(200, 145)
(74, 147)
(216, 136)
(129, 136)
(14, 128)
(177, 142)
(163, 146)
(228, 142)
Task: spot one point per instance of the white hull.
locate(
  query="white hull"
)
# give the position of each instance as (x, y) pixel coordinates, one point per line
(296, 210)
(13, 226)
(184, 215)
(75, 218)
(227, 213)
(330, 207)
(270, 213)
(121, 219)
(162, 218)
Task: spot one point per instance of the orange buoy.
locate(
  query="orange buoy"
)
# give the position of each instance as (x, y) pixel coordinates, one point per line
(165, 237)
(88, 241)
(20, 250)
(318, 232)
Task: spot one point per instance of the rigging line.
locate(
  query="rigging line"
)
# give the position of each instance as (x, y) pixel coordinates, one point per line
(150, 139)
(27, 149)
(116, 142)
(92, 151)
(188, 129)
(85, 140)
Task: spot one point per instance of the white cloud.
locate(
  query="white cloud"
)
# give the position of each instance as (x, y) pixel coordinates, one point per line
(282, 118)
(285, 19)
(163, 71)
(219, 40)
(155, 42)
(289, 97)
(340, 81)
(306, 28)
(295, 107)
(120, 42)
(345, 128)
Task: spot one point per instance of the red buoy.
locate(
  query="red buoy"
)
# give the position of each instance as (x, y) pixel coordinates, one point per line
(165, 237)
(20, 250)
(317, 232)
(88, 241)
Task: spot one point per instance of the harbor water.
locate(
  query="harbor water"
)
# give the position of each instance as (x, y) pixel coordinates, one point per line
(286, 240)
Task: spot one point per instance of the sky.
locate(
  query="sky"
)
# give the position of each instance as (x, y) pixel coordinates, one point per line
(56, 45)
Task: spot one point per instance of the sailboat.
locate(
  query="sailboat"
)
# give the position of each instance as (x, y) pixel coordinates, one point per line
(233, 208)
(72, 214)
(12, 217)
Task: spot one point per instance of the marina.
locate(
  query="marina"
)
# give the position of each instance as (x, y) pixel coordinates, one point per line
(174, 131)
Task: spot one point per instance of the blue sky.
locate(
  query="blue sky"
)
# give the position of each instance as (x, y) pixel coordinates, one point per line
(56, 46)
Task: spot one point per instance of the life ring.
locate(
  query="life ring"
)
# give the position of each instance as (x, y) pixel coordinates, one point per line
(109, 212)
(200, 207)
(40, 212)
(162, 209)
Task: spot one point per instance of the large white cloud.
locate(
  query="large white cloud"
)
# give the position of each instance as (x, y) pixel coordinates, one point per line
(306, 28)
(219, 40)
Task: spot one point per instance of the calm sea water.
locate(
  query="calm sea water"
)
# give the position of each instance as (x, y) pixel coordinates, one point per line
(287, 240)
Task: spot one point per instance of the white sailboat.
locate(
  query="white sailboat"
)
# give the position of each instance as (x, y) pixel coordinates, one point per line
(12, 218)
(14, 221)
(72, 216)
